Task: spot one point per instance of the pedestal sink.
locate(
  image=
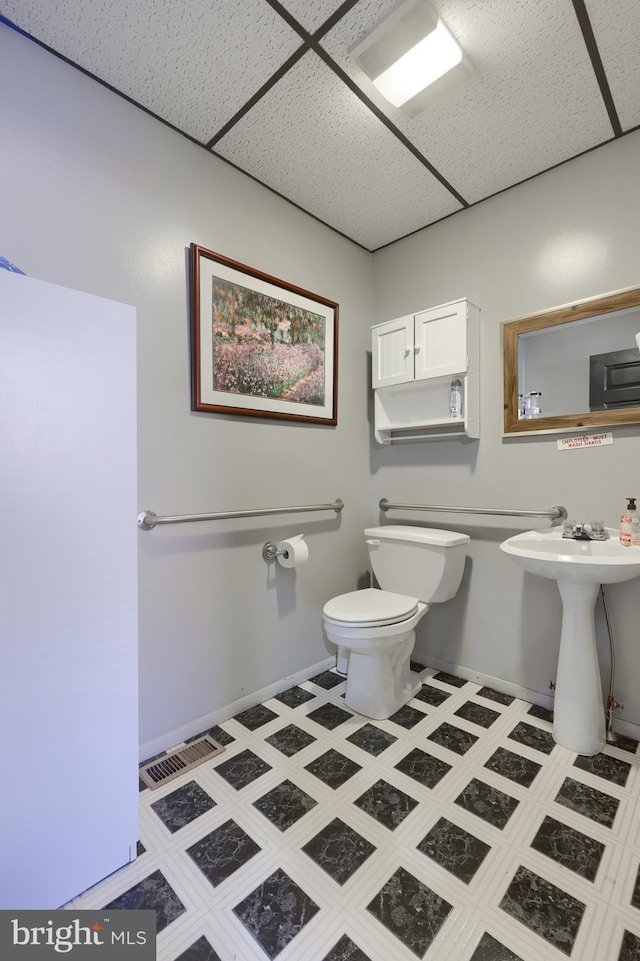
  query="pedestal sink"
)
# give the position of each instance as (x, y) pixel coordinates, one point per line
(579, 567)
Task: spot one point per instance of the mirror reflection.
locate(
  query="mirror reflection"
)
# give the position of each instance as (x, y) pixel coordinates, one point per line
(573, 367)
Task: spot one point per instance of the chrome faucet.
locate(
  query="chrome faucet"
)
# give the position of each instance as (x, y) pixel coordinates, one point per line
(579, 531)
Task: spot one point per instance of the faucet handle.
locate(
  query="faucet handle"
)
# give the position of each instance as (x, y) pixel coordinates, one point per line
(597, 527)
(568, 525)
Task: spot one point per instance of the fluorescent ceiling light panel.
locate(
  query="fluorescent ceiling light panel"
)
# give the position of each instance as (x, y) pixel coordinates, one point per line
(412, 37)
(419, 67)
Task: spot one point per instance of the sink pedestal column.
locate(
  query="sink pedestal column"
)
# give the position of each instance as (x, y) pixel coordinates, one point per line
(578, 713)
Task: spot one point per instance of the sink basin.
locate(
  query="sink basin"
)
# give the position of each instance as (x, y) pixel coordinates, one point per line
(549, 554)
(579, 568)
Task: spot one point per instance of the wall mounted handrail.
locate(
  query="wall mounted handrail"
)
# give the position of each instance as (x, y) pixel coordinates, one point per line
(556, 513)
(147, 520)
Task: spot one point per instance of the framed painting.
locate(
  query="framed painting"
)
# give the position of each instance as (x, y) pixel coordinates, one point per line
(261, 347)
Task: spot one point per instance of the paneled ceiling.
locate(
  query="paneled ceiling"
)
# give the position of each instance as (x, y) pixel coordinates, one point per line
(271, 88)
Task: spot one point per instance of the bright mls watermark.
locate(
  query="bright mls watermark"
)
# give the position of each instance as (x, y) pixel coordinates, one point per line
(102, 935)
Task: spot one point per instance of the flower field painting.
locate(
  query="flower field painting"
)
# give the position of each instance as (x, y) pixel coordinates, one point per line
(266, 347)
(260, 346)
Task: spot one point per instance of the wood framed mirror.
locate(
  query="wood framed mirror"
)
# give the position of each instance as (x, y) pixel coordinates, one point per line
(574, 367)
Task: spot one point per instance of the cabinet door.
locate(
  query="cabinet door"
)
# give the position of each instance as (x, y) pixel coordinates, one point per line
(392, 352)
(441, 341)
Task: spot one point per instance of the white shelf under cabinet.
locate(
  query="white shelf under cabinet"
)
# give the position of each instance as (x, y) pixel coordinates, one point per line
(415, 359)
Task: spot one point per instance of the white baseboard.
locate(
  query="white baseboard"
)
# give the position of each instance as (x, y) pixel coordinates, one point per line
(516, 690)
(173, 738)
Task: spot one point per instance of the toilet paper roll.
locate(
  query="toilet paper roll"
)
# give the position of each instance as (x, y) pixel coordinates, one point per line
(294, 551)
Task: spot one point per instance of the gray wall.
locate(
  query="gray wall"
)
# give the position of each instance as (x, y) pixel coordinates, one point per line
(567, 235)
(98, 196)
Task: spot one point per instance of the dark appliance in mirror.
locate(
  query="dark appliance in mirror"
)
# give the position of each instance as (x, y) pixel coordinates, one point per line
(614, 379)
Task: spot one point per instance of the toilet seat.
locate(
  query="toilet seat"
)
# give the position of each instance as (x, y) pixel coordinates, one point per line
(369, 608)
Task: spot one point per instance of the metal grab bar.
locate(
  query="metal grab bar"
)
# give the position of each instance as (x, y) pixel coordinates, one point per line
(555, 513)
(147, 520)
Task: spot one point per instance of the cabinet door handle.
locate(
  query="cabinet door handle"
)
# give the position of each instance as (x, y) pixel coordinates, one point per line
(407, 351)
(416, 348)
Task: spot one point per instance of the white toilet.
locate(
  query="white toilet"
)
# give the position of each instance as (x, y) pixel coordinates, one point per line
(414, 566)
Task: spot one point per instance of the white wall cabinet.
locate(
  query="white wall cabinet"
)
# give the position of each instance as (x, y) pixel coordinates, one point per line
(414, 360)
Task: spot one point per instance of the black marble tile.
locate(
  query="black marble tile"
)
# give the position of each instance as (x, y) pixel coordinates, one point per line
(333, 768)
(593, 804)
(432, 695)
(630, 947)
(327, 680)
(407, 717)
(487, 803)
(542, 907)
(489, 949)
(140, 848)
(635, 897)
(183, 806)
(520, 770)
(453, 738)
(200, 950)
(449, 679)
(573, 850)
(290, 740)
(242, 769)
(543, 713)
(608, 768)
(256, 716)
(330, 715)
(284, 805)
(152, 894)
(499, 698)
(372, 739)
(217, 733)
(339, 850)
(423, 767)
(220, 735)
(221, 852)
(533, 737)
(454, 849)
(416, 667)
(624, 743)
(387, 804)
(410, 910)
(275, 912)
(477, 714)
(346, 950)
(295, 696)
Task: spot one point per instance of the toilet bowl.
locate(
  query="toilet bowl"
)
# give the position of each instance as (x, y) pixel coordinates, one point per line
(377, 629)
(374, 629)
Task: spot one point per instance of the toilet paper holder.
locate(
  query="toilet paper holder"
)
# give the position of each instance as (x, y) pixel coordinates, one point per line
(270, 552)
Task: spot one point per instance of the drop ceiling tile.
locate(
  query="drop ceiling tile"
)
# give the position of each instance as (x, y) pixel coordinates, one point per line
(311, 14)
(194, 65)
(532, 101)
(311, 139)
(616, 28)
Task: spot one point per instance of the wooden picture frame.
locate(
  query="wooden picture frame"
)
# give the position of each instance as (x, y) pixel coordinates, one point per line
(261, 347)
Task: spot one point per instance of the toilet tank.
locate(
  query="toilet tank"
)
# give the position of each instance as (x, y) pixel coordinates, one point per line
(421, 562)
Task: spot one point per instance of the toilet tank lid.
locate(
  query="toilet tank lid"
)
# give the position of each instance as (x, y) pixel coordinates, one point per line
(419, 535)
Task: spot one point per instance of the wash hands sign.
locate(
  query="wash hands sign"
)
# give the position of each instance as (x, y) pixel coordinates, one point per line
(587, 440)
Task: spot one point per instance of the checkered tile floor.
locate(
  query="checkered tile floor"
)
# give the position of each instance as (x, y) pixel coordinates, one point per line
(456, 830)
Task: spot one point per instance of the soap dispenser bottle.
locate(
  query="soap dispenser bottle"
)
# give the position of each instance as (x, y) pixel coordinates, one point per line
(630, 525)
